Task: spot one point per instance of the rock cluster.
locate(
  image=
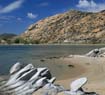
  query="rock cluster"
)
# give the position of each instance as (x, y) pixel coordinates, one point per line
(96, 53)
(27, 80)
(70, 27)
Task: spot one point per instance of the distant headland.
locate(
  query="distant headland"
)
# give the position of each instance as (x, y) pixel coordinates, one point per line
(73, 27)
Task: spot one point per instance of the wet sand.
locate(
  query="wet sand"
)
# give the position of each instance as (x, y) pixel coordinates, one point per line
(79, 66)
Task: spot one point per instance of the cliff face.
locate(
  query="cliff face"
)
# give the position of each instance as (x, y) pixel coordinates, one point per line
(71, 27)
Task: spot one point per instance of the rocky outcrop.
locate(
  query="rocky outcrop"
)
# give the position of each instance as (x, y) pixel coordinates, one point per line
(96, 53)
(27, 80)
(70, 27)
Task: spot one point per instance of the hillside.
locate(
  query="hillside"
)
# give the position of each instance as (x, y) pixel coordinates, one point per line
(70, 27)
(5, 38)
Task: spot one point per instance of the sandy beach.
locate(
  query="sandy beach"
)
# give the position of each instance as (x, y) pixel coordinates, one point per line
(79, 66)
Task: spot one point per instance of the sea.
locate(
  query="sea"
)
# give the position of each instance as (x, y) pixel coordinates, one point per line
(36, 54)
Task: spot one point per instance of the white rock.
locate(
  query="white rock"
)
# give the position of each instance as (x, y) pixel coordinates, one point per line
(77, 84)
(15, 68)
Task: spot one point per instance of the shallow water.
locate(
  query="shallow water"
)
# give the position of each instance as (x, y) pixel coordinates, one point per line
(35, 54)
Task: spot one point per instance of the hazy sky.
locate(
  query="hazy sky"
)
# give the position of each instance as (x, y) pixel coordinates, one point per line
(17, 15)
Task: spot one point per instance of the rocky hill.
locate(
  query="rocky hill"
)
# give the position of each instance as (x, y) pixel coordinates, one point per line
(70, 27)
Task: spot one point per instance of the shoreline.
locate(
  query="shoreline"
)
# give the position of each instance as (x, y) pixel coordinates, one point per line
(48, 44)
(92, 68)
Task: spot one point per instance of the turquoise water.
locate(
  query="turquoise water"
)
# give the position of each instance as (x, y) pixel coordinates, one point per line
(11, 54)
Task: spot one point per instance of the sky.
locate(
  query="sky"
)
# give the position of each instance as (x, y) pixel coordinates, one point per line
(17, 15)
